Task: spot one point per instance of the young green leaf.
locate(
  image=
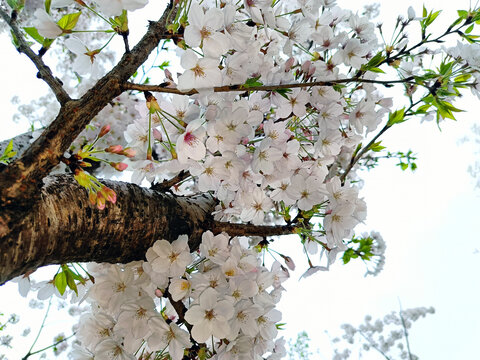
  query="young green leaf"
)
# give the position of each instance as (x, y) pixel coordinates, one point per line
(69, 21)
(33, 32)
(61, 282)
(396, 117)
(71, 281)
(376, 147)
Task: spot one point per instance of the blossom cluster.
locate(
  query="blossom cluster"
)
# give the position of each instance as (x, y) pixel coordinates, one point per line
(268, 152)
(219, 300)
(386, 335)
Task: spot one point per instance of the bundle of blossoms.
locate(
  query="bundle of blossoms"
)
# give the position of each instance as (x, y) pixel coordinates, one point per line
(219, 300)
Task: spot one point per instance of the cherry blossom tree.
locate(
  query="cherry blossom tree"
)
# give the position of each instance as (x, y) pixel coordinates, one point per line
(261, 134)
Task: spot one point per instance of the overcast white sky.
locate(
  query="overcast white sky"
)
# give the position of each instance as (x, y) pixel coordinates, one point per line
(427, 218)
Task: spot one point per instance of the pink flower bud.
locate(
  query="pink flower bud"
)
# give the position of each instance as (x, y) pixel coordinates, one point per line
(157, 134)
(109, 194)
(158, 293)
(116, 149)
(168, 74)
(119, 166)
(289, 63)
(128, 152)
(100, 201)
(92, 197)
(289, 262)
(104, 130)
(306, 66)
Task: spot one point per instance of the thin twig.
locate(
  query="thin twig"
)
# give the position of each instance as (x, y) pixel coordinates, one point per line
(228, 88)
(44, 71)
(167, 184)
(251, 230)
(48, 347)
(372, 344)
(39, 331)
(405, 332)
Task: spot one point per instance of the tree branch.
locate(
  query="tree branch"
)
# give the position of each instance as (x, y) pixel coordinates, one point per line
(229, 88)
(252, 230)
(64, 227)
(21, 180)
(44, 71)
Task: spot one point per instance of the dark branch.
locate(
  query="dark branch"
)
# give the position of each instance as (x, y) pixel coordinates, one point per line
(44, 71)
(167, 184)
(252, 230)
(229, 88)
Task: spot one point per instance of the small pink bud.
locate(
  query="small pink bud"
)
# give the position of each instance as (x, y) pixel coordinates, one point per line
(306, 66)
(92, 197)
(289, 63)
(168, 74)
(119, 166)
(116, 149)
(289, 262)
(158, 293)
(100, 201)
(128, 152)
(311, 71)
(157, 134)
(109, 194)
(104, 130)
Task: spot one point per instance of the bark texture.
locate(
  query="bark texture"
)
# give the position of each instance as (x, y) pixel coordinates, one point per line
(63, 227)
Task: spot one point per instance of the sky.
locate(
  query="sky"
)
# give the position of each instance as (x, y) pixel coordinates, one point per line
(427, 219)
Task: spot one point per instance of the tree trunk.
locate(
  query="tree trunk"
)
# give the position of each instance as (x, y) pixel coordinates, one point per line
(64, 227)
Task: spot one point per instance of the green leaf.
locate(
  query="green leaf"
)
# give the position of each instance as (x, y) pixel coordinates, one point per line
(376, 147)
(33, 32)
(252, 82)
(164, 65)
(359, 146)
(424, 11)
(9, 147)
(120, 23)
(446, 68)
(16, 5)
(71, 280)
(69, 21)
(456, 22)
(376, 70)
(8, 153)
(462, 13)
(377, 59)
(48, 4)
(396, 117)
(283, 92)
(61, 282)
(469, 29)
(462, 78)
